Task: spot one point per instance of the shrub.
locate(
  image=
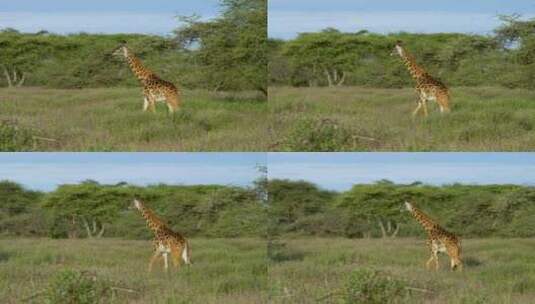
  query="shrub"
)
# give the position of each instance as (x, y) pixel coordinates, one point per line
(70, 286)
(318, 135)
(373, 287)
(278, 252)
(14, 138)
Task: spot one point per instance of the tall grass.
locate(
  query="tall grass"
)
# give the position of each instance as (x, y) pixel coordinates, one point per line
(223, 270)
(113, 120)
(500, 271)
(369, 119)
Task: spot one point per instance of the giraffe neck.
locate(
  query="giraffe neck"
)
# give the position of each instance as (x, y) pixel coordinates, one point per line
(136, 66)
(417, 72)
(153, 222)
(427, 223)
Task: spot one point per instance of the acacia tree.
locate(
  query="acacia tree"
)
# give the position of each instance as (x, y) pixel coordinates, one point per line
(231, 49)
(328, 56)
(19, 212)
(87, 205)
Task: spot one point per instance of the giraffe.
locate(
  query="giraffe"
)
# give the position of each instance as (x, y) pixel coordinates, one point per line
(165, 241)
(439, 240)
(427, 87)
(154, 88)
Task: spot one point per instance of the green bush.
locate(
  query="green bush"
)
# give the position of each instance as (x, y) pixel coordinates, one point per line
(318, 135)
(13, 138)
(69, 286)
(368, 286)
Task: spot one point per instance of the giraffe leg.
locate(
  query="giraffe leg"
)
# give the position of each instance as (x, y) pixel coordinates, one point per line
(173, 102)
(186, 254)
(175, 254)
(428, 263)
(443, 102)
(434, 255)
(436, 261)
(417, 109)
(152, 105)
(153, 259)
(165, 259)
(455, 260)
(145, 104)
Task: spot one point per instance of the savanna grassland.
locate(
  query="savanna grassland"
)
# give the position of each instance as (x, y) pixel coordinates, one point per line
(336, 270)
(115, 271)
(111, 119)
(376, 119)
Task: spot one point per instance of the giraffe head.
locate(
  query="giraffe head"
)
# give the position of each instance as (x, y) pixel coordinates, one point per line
(398, 49)
(121, 50)
(408, 206)
(137, 204)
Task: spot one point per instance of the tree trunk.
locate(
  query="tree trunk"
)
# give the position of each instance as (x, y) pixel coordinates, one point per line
(21, 81)
(8, 78)
(329, 79)
(87, 229)
(14, 80)
(383, 231)
(72, 233)
(101, 231)
(342, 79)
(388, 231)
(264, 91)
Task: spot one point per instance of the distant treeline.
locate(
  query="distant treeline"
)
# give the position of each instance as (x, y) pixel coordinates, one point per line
(376, 210)
(331, 58)
(295, 208)
(225, 53)
(90, 209)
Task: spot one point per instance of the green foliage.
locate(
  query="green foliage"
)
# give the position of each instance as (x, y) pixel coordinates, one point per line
(19, 210)
(111, 270)
(482, 119)
(291, 204)
(369, 286)
(317, 135)
(14, 138)
(112, 119)
(278, 251)
(224, 53)
(366, 210)
(69, 286)
(332, 58)
(231, 48)
(90, 209)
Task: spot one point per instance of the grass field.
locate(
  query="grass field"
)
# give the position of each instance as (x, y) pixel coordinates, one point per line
(317, 270)
(113, 120)
(368, 119)
(224, 270)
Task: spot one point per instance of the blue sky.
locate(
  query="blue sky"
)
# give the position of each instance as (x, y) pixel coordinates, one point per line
(339, 171)
(287, 18)
(102, 16)
(44, 171)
